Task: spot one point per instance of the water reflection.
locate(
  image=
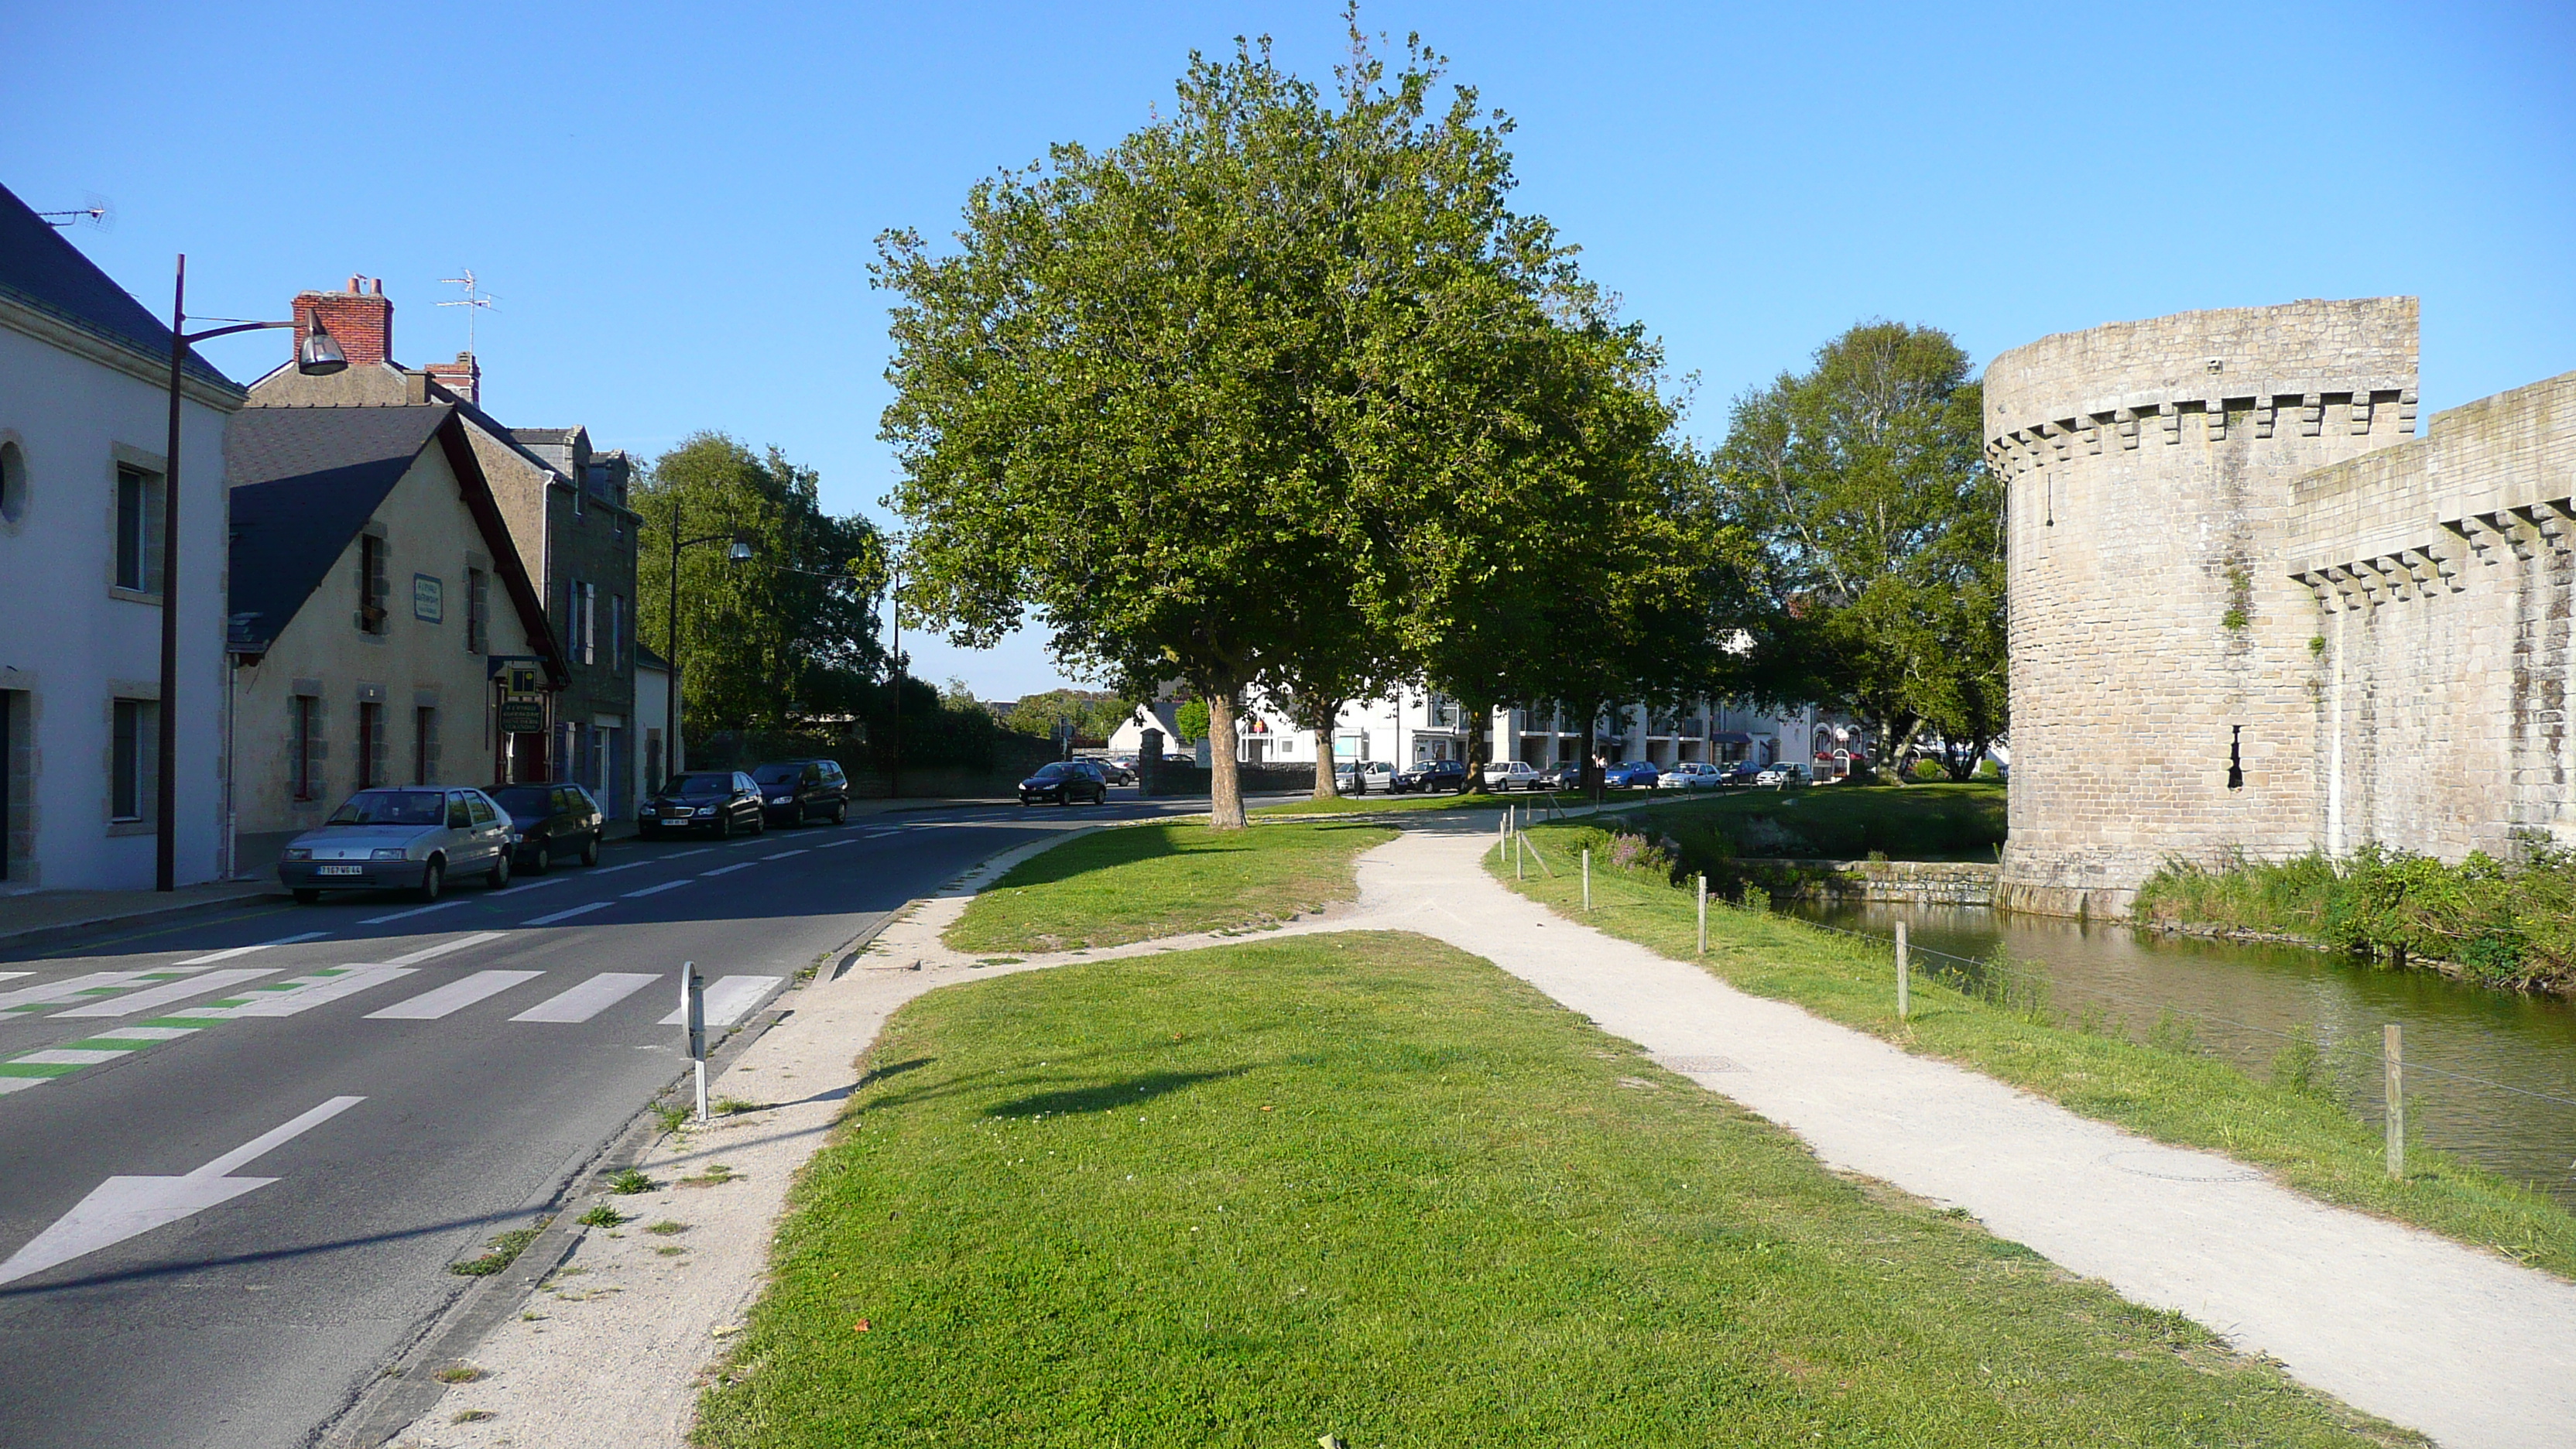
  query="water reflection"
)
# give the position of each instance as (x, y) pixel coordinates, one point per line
(2244, 995)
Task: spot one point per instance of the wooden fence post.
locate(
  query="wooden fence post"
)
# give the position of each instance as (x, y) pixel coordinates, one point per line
(1904, 977)
(2392, 1047)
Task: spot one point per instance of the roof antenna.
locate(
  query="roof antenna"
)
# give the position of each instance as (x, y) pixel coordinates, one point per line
(474, 301)
(96, 210)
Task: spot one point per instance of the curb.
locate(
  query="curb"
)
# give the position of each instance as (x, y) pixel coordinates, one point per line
(42, 935)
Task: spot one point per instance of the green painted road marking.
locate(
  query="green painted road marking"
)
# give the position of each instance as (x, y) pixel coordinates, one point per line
(36, 1069)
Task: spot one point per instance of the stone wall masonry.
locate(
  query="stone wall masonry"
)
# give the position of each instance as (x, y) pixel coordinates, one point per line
(1902, 882)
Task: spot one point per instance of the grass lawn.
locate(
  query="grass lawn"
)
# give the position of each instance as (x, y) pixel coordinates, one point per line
(1366, 1185)
(1138, 882)
(1388, 804)
(2172, 1095)
(1841, 822)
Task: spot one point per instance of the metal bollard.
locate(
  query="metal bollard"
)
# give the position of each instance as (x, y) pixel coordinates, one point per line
(2392, 1047)
(1904, 977)
(1703, 913)
(693, 1018)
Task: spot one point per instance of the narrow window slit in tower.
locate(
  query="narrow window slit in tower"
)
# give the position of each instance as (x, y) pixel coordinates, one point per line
(2236, 757)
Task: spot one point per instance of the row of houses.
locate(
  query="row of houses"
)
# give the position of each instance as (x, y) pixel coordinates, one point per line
(376, 583)
(1412, 726)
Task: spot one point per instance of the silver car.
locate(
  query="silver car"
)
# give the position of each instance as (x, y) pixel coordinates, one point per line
(400, 839)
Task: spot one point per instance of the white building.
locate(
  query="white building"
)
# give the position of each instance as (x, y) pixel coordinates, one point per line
(84, 422)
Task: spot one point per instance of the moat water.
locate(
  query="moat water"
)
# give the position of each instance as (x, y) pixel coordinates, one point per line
(2239, 999)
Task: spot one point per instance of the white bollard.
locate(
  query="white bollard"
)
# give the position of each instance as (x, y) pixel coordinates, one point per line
(1587, 880)
(1703, 913)
(2392, 1047)
(693, 1018)
(1904, 977)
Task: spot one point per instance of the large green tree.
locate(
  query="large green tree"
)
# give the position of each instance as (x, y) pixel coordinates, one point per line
(783, 637)
(1242, 400)
(1882, 536)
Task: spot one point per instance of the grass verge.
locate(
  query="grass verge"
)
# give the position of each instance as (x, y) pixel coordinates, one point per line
(1143, 881)
(2168, 1092)
(1368, 1186)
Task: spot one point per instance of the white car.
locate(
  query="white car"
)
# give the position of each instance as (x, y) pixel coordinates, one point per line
(1782, 775)
(1691, 775)
(1370, 777)
(1511, 775)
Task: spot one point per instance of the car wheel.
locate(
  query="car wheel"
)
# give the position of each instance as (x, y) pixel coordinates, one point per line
(499, 875)
(724, 822)
(590, 849)
(305, 897)
(760, 823)
(840, 812)
(541, 858)
(432, 879)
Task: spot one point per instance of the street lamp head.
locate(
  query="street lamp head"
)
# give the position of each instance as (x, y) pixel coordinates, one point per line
(740, 552)
(318, 355)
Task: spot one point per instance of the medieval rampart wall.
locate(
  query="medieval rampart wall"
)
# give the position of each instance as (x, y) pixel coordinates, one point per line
(2165, 695)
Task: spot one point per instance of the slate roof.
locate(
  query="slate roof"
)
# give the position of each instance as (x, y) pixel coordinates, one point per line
(304, 481)
(553, 437)
(40, 268)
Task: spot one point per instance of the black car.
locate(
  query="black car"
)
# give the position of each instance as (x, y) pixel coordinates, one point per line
(721, 801)
(1065, 782)
(799, 792)
(1430, 775)
(550, 820)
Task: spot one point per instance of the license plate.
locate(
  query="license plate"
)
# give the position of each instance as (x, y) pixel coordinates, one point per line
(675, 819)
(342, 870)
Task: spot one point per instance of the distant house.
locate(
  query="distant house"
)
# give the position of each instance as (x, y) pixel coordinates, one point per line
(383, 629)
(84, 422)
(565, 504)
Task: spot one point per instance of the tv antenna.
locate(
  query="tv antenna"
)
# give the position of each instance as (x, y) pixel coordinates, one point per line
(475, 301)
(97, 210)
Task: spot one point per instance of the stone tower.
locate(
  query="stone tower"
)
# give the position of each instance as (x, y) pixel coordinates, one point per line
(2166, 677)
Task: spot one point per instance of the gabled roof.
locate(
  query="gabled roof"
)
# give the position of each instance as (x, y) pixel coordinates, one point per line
(305, 480)
(41, 269)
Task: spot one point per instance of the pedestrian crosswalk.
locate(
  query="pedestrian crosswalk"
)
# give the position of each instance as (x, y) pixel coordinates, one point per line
(590, 998)
(454, 996)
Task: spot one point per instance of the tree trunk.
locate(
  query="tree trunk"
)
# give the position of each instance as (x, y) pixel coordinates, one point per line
(1476, 750)
(1326, 788)
(1590, 781)
(1225, 781)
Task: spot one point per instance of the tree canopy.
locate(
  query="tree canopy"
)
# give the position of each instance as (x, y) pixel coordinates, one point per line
(1264, 394)
(782, 638)
(1881, 536)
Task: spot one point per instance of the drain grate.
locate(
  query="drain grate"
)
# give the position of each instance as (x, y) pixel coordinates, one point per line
(1696, 1066)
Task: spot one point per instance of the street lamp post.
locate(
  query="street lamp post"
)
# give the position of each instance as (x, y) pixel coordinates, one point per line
(317, 355)
(894, 729)
(739, 553)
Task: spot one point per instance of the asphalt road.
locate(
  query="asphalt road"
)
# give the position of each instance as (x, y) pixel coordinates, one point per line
(237, 1155)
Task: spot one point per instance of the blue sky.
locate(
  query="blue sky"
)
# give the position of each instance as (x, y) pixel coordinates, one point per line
(676, 204)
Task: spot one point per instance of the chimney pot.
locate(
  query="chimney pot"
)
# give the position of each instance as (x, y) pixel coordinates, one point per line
(377, 286)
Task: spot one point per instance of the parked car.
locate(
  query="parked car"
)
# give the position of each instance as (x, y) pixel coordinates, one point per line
(1430, 775)
(1782, 774)
(550, 820)
(1742, 772)
(1631, 775)
(1564, 775)
(1690, 775)
(400, 839)
(798, 792)
(1119, 769)
(1065, 782)
(720, 801)
(1366, 777)
(1511, 775)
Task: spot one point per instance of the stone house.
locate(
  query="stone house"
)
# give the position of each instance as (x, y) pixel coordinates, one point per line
(378, 605)
(566, 508)
(84, 422)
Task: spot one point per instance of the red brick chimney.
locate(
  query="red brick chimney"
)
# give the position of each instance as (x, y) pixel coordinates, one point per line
(463, 377)
(360, 319)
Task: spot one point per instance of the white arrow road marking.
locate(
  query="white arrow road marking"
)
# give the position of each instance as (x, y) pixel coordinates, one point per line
(125, 1207)
(728, 997)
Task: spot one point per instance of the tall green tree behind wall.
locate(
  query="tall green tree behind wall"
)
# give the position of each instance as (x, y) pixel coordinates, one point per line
(783, 638)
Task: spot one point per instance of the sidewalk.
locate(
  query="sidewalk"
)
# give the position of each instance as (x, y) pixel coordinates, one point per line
(35, 917)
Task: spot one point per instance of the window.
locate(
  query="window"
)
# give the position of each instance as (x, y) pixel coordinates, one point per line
(478, 611)
(134, 529)
(371, 744)
(586, 625)
(131, 760)
(480, 809)
(303, 733)
(13, 482)
(458, 817)
(617, 633)
(424, 744)
(372, 586)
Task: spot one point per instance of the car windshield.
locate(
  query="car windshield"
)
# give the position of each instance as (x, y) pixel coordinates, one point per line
(392, 807)
(778, 774)
(1053, 772)
(525, 799)
(701, 785)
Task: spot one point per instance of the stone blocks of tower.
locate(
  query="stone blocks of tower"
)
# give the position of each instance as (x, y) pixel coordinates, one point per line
(2166, 696)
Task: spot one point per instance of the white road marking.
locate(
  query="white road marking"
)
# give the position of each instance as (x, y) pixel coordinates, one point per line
(69, 1057)
(534, 885)
(125, 1207)
(454, 996)
(14, 975)
(668, 885)
(614, 869)
(303, 994)
(299, 936)
(728, 869)
(211, 957)
(70, 990)
(173, 991)
(414, 911)
(729, 997)
(832, 844)
(684, 854)
(442, 948)
(145, 1033)
(782, 855)
(568, 915)
(590, 998)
